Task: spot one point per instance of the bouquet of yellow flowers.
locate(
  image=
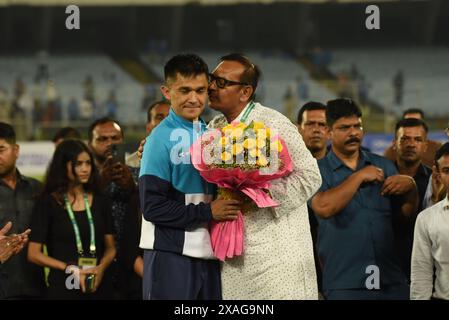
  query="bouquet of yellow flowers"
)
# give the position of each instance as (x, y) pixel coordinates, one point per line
(241, 160)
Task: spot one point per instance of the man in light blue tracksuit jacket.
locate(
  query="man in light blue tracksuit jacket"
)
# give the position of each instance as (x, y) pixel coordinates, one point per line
(176, 202)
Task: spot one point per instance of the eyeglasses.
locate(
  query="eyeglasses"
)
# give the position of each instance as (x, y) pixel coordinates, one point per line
(223, 83)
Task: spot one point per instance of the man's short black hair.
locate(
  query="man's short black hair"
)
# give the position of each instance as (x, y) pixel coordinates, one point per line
(252, 73)
(7, 133)
(100, 121)
(410, 122)
(187, 65)
(66, 133)
(442, 151)
(341, 108)
(413, 110)
(309, 106)
(153, 105)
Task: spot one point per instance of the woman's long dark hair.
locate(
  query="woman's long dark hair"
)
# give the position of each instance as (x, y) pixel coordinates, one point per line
(57, 181)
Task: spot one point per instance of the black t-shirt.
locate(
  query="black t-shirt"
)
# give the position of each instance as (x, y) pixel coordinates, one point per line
(51, 226)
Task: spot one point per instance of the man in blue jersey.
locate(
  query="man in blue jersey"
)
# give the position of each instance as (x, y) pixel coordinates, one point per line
(176, 202)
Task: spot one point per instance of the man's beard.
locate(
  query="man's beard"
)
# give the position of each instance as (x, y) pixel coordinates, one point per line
(99, 158)
(410, 162)
(7, 171)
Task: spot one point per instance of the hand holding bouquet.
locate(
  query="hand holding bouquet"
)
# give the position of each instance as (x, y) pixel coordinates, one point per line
(242, 160)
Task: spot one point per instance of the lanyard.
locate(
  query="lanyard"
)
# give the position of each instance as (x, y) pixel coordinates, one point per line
(79, 244)
(247, 112)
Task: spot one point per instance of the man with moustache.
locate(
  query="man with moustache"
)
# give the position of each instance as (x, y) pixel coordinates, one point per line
(312, 126)
(354, 210)
(410, 145)
(278, 260)
(432, 146)
(118, 184)
(311, 123)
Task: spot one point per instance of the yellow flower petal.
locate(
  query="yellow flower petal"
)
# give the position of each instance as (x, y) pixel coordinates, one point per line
(241, 125)
(277, 145)
(261, 143)
(258, 125)
(253, 152)
(237, 148)
(228, 127)
(262, 161)
(237, 133)
(224, 141)
(261, 133)
(226, 156)
(249, 143)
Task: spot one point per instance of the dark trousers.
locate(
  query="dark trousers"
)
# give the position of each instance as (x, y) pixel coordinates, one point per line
(171, 276)
(395, 292)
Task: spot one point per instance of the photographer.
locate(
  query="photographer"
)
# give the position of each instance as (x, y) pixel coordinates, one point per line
(118, 184)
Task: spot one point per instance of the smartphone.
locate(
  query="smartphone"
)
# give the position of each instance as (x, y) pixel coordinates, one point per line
(118, 153)
(90, 282)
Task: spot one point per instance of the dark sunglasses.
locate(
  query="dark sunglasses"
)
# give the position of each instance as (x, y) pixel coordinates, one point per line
(223, 83)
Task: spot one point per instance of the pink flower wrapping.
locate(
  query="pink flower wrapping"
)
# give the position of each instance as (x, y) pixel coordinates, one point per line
(227, 237)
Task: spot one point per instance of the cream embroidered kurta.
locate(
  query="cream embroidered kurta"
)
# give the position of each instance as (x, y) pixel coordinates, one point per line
(278, 259)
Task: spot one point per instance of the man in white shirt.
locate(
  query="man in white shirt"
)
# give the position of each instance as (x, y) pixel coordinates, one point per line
(435, 190)
(430, 254)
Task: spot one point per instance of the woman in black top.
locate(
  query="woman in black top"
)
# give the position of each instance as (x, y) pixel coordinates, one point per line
(69, 211)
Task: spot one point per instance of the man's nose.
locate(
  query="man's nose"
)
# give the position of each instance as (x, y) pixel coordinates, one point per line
(212, 85)
(353, 131)
(193, 97)
(108, 144)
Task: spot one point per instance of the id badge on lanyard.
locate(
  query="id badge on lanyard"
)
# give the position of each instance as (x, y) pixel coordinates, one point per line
(87, 263)
(84, 262)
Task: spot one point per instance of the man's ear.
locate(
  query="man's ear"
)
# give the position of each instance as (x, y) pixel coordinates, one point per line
(247, 93)
(330, 132)
(426, 145)
(435, 170)
(17, 151)
(393, 145)
(165, 92)
(327, 133)
(149, 127)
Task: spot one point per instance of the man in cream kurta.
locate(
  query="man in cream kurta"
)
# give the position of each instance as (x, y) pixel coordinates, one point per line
(278, 259)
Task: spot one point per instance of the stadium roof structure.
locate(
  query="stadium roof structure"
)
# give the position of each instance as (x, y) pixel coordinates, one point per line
(169, 2)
